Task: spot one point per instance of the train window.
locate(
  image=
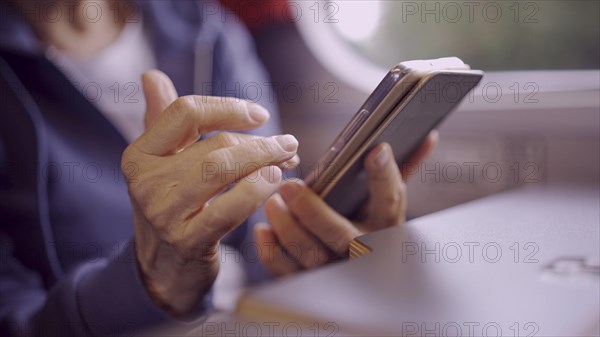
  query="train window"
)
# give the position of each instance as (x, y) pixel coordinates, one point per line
(491, 35)
(370, 36)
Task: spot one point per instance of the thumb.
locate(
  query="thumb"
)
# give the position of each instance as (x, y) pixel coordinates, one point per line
(159, 92)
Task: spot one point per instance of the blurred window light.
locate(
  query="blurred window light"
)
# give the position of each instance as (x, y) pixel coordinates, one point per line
(550, 45)
(357, 20)
(490, 35)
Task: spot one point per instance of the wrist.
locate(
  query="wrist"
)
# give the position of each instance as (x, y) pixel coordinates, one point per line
(175, 283)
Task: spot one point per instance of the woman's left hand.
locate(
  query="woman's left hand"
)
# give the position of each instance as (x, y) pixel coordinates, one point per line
(305, 232)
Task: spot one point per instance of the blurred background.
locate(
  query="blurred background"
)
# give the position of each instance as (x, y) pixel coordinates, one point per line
(533, 120)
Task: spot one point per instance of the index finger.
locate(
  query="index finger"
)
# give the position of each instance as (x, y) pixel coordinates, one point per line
(184, 121)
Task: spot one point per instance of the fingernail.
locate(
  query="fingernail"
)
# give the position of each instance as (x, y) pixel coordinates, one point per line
(289, 191)
(257, 113)
(288, 142)
(383, 156)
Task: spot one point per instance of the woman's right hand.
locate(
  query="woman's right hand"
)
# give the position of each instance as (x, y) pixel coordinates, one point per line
(175, 182)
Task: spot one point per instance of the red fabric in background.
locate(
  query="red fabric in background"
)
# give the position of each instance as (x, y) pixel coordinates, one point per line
(258, 14)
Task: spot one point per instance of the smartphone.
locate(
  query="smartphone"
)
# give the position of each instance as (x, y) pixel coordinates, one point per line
(411, 100)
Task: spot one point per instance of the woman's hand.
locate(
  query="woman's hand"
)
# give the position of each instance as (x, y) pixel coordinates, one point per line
(305, 232)
(175, 183)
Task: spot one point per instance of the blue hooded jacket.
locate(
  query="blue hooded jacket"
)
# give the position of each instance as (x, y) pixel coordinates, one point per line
(67, 258)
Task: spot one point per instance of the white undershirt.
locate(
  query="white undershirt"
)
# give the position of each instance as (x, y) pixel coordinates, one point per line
(111, 79)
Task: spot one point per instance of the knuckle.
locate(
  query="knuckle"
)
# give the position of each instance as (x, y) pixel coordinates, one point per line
(184, 103)
(223, 159)
(155, 217)
(226, 139)
(127, 154)
(392, 200)
(309, 213)
(232, 108)
(267, 146)
(211, 218)
(211, 168)
(378, 175)
(213, 158)
(182, 109)
(218, 221)
(176, 239)
(146, 195)
(235, 105)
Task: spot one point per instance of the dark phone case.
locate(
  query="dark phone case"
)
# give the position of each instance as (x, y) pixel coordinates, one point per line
(422, 110)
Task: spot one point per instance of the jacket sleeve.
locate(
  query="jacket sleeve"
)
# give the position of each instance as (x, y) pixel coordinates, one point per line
(105, 297)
